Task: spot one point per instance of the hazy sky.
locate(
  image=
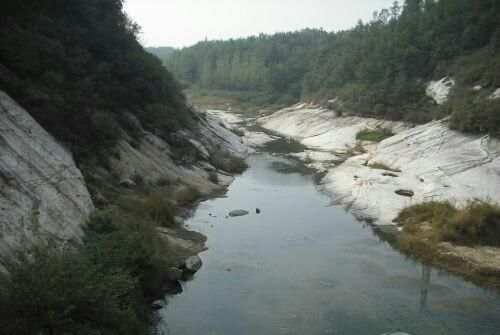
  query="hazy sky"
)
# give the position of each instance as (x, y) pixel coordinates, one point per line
(181, 23)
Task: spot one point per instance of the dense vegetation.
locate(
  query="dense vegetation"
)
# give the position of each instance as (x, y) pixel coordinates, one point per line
(100, 287)
(429, 226)
(477, 223)
(375, 69)
(80, 71)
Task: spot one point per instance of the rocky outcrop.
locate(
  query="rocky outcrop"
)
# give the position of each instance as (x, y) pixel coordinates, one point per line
(42, 192)
(436, 163)
(428, 162)
(440, 90)
(151, 157)
(321, 128)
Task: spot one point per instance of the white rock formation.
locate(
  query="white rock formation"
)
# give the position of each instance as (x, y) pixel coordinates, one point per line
(439, 90)
(230, 120)
(42, 192)
(152, 159)
(495, 95)
(320, 128)
(436, 163)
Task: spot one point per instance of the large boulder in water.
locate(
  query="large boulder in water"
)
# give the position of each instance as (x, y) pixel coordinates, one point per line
(193, 264)
(238, 212)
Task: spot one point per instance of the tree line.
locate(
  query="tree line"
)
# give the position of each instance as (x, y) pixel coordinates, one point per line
(375, 69)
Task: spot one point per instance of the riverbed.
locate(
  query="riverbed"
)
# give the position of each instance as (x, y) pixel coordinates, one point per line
(304, 266)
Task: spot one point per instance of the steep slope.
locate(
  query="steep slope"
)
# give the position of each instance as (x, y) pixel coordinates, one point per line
(42, 192)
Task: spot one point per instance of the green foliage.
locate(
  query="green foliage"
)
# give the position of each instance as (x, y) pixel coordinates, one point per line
(475, 114)
(78, 68)
(158, 207)
(477, 223)
(100, 287)
(228, 163)
(375, 135)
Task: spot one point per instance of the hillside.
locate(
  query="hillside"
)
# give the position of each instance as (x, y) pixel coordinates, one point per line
(376, 69)
(100, 159)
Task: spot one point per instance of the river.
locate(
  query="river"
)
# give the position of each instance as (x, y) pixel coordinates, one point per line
(303, 266)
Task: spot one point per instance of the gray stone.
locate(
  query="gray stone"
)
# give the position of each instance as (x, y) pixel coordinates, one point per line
(238, 212)
(158, 304)
(128, 183)
(178, 220)
(174, 273)
(405, 193)
(193, 264)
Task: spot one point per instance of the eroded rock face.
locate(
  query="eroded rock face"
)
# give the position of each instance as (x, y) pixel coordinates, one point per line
(440, 90)
(42, 192)
(320, 128)
(436, 163)
(433, 161)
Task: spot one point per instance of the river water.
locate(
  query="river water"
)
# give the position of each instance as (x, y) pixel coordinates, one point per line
(302, 266)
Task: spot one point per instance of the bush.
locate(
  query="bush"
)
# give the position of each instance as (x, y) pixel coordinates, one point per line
(477, 223)
(228, 163)
(101, 287)
(159, 208)
(376, 135)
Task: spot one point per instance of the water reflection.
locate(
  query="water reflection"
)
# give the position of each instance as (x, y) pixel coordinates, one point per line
(303, 267)
(426, 278)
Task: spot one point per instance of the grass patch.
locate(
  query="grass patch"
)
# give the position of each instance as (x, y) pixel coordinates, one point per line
(477, 223)
(375, 135)
(382, 166)
(429, 224)
(228, 163)
(358, 149)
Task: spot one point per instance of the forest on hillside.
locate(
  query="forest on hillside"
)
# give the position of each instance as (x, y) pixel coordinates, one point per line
(377, 69)
(78, 68)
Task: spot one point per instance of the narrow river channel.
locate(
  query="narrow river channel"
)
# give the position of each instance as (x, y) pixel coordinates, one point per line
(304, 267)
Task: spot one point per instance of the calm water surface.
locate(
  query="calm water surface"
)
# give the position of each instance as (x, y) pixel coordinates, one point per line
(304, 267)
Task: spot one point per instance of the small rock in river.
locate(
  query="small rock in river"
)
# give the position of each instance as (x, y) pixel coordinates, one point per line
(238, 212)
(257, 210)
(405, 193)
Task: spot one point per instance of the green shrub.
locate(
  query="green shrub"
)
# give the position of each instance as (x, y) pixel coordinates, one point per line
(376, 135)
(159, 208)
(228, 163)
(475, 114)
(187, 195)
(477, 223)
(54, 291)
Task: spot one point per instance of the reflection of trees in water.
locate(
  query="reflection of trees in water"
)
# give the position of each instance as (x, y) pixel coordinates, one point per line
(424, 285)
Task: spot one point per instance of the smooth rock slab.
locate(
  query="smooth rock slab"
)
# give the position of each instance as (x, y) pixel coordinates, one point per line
(238, 212)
